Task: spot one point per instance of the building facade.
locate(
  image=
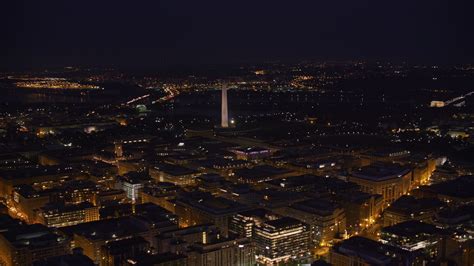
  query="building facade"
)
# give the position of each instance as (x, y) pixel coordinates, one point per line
(281, 240)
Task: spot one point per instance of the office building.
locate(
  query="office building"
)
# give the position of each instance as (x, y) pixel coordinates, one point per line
(244, 223)
(58, 215)
(281, 240)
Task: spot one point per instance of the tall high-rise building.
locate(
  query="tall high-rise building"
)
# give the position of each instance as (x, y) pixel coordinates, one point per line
(224, 109)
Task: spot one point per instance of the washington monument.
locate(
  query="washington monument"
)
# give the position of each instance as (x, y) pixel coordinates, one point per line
(224, 111)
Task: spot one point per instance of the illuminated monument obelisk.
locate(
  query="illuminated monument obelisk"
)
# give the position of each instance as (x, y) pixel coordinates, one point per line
(224, 111)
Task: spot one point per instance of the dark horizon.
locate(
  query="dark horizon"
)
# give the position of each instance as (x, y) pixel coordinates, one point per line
(160, 34)
(246, 133)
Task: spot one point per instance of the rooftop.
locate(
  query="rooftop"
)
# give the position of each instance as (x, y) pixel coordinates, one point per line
(456, 215)
(316, 206)
(410, 205)
(411, 228)
(61, 208)
(116, 247)
(174, 170)
(66, 260)
(260, 213)
(136, 177)
(459, 188)
(211, 204)
(251, 150)
(108, 229)
(372, 251)
(149, 260)
(261, 172)
(6, 222)
(27, 172)
(381, 172)
(283, 223)
(32, 236)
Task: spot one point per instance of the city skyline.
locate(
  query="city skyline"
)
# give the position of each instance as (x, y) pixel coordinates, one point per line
(249, 133)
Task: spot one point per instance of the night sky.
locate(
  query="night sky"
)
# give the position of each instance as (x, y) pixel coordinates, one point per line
(44, 33)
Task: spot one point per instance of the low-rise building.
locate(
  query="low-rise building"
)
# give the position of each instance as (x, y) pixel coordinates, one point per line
(58, 215)
(259, 174)
(92, 236)
(326, 219)
(66, 260)
(363, 251)
(132, 183)
(27, 200)
(163, 259)
(389, 180)
(120, 251)
(178, 240)
(410, 208)
(413, 236)
(252, 153)
(361, 209)
(162, 194)
(198, 208)
(456, 191)
(25, 244)
(175, 174)
(224, 252)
